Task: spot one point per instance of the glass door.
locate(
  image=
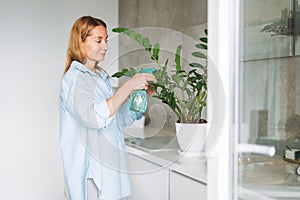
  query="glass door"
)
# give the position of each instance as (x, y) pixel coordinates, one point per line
(254, 75)
(268, 109)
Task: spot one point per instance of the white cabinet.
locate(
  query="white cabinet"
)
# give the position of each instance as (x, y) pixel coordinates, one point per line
(179, 180)
(149, 181)
(184, 187)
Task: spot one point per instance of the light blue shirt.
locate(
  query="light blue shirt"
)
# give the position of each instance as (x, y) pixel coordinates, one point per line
(92, 142)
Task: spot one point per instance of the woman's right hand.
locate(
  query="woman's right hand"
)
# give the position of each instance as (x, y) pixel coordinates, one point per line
(140, 81)
(137, 82)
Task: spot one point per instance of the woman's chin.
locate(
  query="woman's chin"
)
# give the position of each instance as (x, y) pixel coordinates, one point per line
(100, 59)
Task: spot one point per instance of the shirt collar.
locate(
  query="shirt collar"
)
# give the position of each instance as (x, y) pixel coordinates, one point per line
(83, 68)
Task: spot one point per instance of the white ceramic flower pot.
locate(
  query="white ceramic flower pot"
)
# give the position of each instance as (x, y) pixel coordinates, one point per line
(191, 138)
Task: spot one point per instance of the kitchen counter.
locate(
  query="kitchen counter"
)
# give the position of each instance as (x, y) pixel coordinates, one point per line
(165, 154)
(259, 177)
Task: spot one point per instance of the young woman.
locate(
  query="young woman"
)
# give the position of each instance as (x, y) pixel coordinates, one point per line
(92, 117)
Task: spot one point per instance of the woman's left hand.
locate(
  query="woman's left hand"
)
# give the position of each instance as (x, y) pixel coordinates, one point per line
(150, 89)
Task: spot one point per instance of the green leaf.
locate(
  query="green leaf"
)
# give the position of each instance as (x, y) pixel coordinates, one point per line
(159, 85)
(132, 72)
(201, 46)
(177, 57)
(199, 86)
(131, 34)
(192, 71)
(202, 96)
(180, 71)
(119, 30)
(129, 73)
(194, 79)
(176, 78)
(166, 65)
(146, 44)
(196, 65)
(139, 38)
(125, 72)
(203, 39)
(118, 74)
(205, 31)
(155, 52)
(172, 101)
(199, 55)
(196, 110)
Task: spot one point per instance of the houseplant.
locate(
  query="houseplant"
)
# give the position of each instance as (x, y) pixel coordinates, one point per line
(183, 89)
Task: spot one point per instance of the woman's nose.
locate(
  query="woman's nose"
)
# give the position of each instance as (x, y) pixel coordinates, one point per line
(105, 45)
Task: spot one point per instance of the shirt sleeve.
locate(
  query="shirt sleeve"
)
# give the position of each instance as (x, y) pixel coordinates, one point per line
(127, 116)
(89, 111)
(102, 113)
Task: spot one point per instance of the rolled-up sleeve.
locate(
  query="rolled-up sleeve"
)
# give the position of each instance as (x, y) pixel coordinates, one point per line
(102, 113)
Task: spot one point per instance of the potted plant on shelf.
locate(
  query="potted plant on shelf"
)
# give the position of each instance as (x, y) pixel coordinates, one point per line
(183, 89)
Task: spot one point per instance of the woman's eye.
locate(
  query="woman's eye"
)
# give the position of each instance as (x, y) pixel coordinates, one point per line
(99, 41)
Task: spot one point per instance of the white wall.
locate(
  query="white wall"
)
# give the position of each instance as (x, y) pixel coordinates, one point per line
(33, 41)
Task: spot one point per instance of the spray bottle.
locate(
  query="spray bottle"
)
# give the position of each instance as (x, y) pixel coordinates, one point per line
(138, 98)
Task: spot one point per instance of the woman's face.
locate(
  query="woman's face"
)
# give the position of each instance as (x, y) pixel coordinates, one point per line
(95, 44)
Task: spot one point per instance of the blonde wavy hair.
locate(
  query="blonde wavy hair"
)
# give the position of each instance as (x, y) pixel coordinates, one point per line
(80, 30)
